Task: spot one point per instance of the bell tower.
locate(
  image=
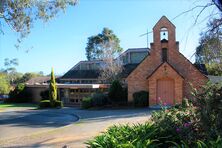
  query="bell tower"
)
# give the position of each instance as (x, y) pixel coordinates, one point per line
(163, 34)
(164, 40)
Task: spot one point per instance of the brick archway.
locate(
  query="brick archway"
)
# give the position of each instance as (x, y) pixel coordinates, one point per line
(165, 91)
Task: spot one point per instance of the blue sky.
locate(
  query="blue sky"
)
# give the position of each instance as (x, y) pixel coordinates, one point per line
(61, 42)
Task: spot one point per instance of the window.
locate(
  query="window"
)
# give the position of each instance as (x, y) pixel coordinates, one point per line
(163, 34)
(164, 55)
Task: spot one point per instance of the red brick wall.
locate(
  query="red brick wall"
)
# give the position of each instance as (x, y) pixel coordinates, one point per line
(165, 71)
(137, 79)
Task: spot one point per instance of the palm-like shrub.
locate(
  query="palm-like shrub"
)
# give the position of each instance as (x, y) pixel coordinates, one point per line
(140, 135)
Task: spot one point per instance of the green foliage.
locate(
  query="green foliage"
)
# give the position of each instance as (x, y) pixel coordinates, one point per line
(44, 104)
(86, 103)
(209, 51)
(44, 94)
(52, 88)
(97, 44)
(209, 109)
(194, 123)
(58, 104)
(213, 69)
(141, 99)
(99, 100)
(125, 136)
(180, 122)
(27, 76)
(19, 94)
(53, 102)
(10, 65)
(21, 14)
(47, 104)
(116, 94)
(4, 84)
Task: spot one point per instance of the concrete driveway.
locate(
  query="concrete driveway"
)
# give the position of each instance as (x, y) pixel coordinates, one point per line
(21, 123)
(48, 127)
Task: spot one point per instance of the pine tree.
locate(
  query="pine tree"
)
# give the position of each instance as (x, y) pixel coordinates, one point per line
(52, 89)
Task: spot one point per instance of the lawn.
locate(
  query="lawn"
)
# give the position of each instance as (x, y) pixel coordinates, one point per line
(13, 105)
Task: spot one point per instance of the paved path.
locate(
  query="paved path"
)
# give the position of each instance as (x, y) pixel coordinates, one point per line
(20, 123)
(74, 135)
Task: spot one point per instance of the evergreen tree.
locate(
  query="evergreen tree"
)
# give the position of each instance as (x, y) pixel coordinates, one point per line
(98, 45)
(52, 89)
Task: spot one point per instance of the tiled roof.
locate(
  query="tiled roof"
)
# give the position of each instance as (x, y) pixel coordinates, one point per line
(127, 69)
(94, 74)
(81, 74)
(39, 80)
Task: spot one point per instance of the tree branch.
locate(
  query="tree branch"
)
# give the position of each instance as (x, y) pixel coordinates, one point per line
(208, 5)
(192, 9)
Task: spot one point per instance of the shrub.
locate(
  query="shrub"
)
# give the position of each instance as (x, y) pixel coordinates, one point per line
(44, 94)
(86, 103)
(116, 92)
(141, 99)
(19, 94)
(139, 135)
(208, 102)
(58, 104)
(48, 104)
(45, 104)
(125, 95)
(180, 122)
(195, 123)
(99, 99)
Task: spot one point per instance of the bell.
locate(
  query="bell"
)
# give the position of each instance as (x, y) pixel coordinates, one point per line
(164, 33)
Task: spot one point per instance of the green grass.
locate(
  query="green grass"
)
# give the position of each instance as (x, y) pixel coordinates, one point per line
(11, 105)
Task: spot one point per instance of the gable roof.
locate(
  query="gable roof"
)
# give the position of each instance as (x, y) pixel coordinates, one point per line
(200, 67)
(160, 66)
(164, 18)
(81, 74)
(39, 80)
(94, 74)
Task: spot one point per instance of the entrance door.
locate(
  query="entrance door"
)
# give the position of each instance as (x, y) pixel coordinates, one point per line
(165, 91)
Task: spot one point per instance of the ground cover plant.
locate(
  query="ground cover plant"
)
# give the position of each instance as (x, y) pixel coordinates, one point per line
(195, 123)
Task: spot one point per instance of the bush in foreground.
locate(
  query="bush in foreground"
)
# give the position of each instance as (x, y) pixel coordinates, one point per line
(144, 135)
(195, 123)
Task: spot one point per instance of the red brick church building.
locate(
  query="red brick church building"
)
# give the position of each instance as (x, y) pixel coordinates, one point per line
(165, 73)
(161, 70)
